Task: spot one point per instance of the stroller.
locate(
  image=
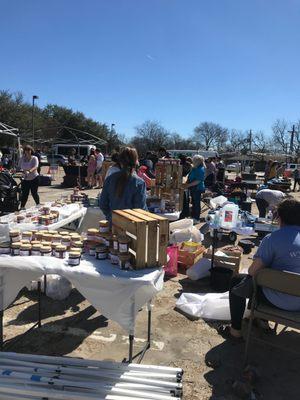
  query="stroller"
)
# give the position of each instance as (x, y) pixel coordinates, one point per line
(10, 193)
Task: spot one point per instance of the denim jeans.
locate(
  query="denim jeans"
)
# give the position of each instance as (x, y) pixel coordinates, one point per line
(196, 205)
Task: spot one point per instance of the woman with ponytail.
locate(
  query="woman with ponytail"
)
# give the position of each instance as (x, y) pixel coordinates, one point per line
(123, 189)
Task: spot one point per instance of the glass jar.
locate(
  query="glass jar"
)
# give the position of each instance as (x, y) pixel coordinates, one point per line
(101, 252)
(15, 248)
(39, 235)
(123, 244)
(93, 234)
(46, 251)
(36, 248)
(45, 210)
(78, 245)
(5, 248)
(114, 257)
(104, 226)
(92, 251)
(25, 249)
(15, 235)
(53, 247)
(74, 258)
(20, 219)
(27, 235)
(60, 251)
(56, 239)
(124, 261)
(66, 241)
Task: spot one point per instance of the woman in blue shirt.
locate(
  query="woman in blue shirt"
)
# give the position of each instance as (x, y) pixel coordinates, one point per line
(195, 183)
(123, 189)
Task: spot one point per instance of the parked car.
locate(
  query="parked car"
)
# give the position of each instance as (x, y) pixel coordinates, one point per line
(57, 159)
(234, 167)
(44, 159)
(290, 168)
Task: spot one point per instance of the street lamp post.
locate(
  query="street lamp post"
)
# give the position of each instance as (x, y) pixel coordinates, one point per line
(34, 97)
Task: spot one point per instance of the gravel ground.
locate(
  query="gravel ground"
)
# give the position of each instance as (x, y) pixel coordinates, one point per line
(73, 327)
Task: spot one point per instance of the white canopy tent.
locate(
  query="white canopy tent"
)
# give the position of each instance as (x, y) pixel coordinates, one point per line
(11, 131)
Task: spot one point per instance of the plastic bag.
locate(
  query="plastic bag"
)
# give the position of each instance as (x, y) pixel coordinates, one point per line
(199, 270)
(218, 201)
(181, 224)
(58, 287)
(213, 306)
(185, 235)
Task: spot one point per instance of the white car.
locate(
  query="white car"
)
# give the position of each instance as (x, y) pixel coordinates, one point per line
(234, 167)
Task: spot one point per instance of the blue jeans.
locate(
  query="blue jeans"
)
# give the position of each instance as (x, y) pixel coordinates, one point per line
(196, 205)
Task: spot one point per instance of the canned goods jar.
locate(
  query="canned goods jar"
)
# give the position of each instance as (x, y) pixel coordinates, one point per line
(46, 251)
(27, 235)
(101, 252)
(114, 258)
(92, 251)
(20, 219)
(36, 248)
(103, 226)
(15, 248)
(123, 244)
(66, 241)
(60, 251)
(45, 210)
(56, 239)
(105, 239)
(124, 261)
(15, 235)
(25, 249)
(74, 258)
(39, 235)
(5, 248)
(93, 234)
(47, 237)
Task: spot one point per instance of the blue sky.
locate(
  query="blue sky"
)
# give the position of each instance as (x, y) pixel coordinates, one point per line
(180, 62)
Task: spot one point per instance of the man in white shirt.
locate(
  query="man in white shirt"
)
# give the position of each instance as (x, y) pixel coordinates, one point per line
(267, 199)
(99, 159)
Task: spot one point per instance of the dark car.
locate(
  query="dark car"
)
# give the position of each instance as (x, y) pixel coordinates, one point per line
(57, 159)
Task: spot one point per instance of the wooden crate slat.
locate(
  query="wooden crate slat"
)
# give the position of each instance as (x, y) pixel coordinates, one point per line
(152, 255)
(163, 242)
(141, 246)
(157, 217)
(136, 213)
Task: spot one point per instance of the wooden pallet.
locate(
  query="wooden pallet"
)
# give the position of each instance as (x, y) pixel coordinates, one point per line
(149, 234)
(168, 182)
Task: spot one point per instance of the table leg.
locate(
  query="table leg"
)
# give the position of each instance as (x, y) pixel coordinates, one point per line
(45, 284)
(1, 330)
(39, 304)
(131, 339)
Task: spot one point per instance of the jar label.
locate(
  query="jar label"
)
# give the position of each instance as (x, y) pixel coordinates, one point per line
(92, 252)
(74, 261)
(15, 252)
(15, 238)
(123, 248)
(24, 253)
(104, 229)
(116, 245)
(101, 256)
(35, 253)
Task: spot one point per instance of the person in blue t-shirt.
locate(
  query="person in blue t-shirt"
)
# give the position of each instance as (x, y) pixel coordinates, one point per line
(281, 251)
(123, 189)
(195, 182)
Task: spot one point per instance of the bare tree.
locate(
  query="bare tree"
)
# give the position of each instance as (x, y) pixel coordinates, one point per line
(150, 136)
(281, 136)
(237, 141)
(259, 142)
(209, 135)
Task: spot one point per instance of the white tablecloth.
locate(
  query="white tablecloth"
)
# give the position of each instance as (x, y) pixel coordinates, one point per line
(117, 294)
(67, 214)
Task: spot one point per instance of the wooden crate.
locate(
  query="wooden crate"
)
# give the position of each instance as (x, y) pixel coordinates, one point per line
(149, 234)
(232, 261)
(187, 258)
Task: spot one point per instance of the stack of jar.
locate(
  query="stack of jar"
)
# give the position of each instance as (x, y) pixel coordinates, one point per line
(45, 243)
(77, 197)
(102, 245)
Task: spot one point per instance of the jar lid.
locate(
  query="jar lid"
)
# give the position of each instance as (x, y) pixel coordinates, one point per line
(47, 244)
(78, 243)
(35, 242)
(4, 245)
(61, 248)
(53, 232)
(56, 236)
(15, 245)
(124, 239)
(36, 246)
(25, 241)
(27, 233)
(74, 254)
(65, 238)
(25, 246)
(64, 233)
(104, 223)
(14, 232)
(93, 231)
(45, 249)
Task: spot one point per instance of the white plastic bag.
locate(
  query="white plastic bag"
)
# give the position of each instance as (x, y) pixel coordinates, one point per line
(218, 201)
(58, 287)
(181, 224)
(199, 270)
(213, 306)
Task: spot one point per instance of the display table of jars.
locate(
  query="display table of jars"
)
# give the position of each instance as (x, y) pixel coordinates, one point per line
(117, 293)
